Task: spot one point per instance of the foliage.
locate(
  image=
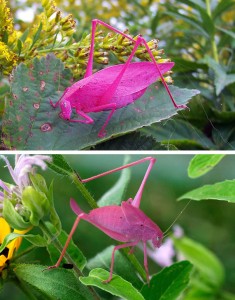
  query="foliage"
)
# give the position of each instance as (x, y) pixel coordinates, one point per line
(197, 274)
(201, 45)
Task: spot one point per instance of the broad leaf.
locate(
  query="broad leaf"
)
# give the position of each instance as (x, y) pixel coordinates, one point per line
(179, 133)
(57, 283)
(203, 163)
(224, 191)
(169, 283)
(117, 286)
(204, 260)
(30, 122)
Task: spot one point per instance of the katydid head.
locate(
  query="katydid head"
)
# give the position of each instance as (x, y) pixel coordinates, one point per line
(66, 109)
(157, 240)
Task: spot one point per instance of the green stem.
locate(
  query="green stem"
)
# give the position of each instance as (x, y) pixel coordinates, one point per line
(68, 258)
(86, 194)
(213, 43)
(135, 263)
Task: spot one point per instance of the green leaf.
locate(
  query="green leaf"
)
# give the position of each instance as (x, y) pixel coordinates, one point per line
(179, 133)
(221, 78)
(116, 194)
(203, 163)
(36, 36)
(74, 252)
(131, 141)
(36, 240)
(117, 286)
(13, 218)
(35, 124)
(228, 32)
(57, 283)
(204, 260)
(60, 165)
(122, 265)
(222, 7)
(169, 283)
(224, 191)
(37, 203)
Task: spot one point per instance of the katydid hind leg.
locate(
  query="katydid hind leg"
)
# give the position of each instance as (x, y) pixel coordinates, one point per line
(161, 76)
(130, 244)
(136, 201)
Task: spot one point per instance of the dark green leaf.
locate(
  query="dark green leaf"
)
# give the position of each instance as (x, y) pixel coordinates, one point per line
(35, 124)
(117, 286)
(178, 132)
(205, 261)
(131, 141)
(224, 191)
(57, 283)
(169, 283)
(203, 163)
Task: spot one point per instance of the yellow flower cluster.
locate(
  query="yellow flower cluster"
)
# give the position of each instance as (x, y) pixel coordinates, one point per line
(8, 59)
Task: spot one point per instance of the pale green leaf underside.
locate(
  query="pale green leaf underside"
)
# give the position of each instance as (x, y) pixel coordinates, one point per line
(224, 191)
(203, 163)
(30, 122)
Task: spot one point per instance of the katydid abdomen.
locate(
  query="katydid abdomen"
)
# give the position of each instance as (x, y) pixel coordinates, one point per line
(90, 92)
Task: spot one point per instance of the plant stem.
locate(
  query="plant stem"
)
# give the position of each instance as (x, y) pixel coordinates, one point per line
(213, 43)
(68, 258)
(86, 194)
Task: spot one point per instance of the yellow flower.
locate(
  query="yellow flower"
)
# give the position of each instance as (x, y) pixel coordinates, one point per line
(13, 246)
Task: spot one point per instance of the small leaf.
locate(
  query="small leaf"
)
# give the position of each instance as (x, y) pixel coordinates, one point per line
(224, 191)
(203, 163)
(117, 286)
(169, 283)
(204, 260)
(36, 240)
(116, 194)
(57, 283)
(36, 36)
(60, 165)
(122, 265)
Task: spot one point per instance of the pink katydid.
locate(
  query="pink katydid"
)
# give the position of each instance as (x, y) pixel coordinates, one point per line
(125, 223)
(113, 87)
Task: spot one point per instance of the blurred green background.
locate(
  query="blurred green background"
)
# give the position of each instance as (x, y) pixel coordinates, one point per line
(208, 222)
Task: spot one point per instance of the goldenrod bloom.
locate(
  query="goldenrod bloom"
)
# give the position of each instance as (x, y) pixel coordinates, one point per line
(13, 246)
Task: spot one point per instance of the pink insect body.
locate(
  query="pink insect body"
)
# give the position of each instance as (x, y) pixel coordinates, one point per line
(113, 87)
(125, 223)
